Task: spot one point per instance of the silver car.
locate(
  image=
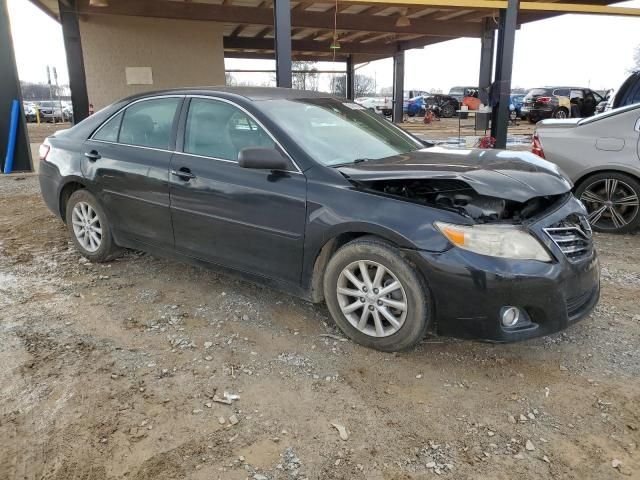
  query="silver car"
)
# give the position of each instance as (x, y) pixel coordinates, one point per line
(601, 155)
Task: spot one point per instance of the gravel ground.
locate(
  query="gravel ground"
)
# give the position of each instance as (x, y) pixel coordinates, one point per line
(145, 368)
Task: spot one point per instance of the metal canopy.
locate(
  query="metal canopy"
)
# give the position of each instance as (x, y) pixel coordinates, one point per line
(366, 29)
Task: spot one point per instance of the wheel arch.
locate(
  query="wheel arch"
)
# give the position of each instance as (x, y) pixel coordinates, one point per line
(336, 239)
(610, 169)
(68, 188)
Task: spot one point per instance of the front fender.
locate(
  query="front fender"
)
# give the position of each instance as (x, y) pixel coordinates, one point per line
(333, 210)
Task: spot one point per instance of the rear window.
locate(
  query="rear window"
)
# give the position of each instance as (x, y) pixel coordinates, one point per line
(536, 92)
(109, 131)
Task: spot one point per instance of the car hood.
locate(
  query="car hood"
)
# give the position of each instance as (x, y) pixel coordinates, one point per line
(511, 175)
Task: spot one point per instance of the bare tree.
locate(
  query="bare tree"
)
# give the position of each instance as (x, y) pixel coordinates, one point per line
(40, 91)
(230, 80)
(305, 76)
(364, 85)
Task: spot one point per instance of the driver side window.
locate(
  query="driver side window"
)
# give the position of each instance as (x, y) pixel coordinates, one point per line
(219, 130)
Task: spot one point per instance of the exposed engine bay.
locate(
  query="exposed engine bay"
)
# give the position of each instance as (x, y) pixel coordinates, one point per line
(458, 196)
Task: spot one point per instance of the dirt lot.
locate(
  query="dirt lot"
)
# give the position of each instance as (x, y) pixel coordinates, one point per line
(113, 371)
(38, 132)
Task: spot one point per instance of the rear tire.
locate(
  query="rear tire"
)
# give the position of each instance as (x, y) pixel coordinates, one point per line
(89, 227)
(447, 111)
(561, 113)
(612, 201)
(392, 320)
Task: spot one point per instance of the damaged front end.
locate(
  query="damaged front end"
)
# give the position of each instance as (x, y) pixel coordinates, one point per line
(458, 196)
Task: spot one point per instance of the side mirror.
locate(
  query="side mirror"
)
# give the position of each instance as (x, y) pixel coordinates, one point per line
(262, 158)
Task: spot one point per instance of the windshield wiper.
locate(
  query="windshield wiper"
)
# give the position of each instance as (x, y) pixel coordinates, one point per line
(357, 160)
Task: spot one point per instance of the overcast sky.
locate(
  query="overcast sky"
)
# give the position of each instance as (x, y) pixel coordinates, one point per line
(583, 50)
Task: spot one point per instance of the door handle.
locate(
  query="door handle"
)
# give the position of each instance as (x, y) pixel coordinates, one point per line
(184, 174)
(93, 155)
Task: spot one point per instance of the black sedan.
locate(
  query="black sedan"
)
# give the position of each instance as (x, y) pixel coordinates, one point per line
(318, 197)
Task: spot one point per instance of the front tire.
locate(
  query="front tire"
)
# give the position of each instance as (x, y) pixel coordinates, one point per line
(612, 201)
(376, 297)
(89, 227)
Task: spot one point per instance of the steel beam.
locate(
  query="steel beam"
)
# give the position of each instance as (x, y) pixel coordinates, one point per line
(9, 91)
(486, 58)
(578, 8)
(282, 42)
(398, 86)
(351, 78)
(504, 65)
(75, 59)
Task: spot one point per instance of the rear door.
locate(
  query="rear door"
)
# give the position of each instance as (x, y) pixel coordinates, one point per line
(128, 160)
(247, 219)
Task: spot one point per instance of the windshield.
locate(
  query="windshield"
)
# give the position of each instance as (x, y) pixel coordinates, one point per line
(333, 132)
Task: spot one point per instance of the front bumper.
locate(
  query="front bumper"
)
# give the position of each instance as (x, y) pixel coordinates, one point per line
(470, 290)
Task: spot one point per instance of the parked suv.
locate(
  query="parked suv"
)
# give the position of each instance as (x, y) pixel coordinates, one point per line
(52, 111)
(460, 92)
(559, 102)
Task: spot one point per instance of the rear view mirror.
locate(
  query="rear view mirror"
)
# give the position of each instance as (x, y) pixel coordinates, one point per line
(262, 158)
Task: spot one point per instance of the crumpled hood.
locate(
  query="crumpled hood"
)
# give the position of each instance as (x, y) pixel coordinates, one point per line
(511, 175)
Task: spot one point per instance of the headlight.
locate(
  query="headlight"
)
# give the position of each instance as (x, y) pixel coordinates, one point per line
(503, 241)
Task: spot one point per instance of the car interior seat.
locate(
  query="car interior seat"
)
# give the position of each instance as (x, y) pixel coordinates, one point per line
(208, 135)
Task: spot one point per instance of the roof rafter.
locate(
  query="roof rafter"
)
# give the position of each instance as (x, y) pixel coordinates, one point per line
(264, 16)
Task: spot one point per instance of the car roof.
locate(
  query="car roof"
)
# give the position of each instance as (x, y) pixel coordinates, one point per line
(561, 86)
(249, 93)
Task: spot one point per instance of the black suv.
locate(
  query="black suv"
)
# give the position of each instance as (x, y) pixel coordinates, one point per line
(559, 102)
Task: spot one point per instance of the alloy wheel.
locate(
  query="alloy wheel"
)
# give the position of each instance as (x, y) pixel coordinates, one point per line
(372, 298)
(612, 204)
(86, 226)
(561, 114)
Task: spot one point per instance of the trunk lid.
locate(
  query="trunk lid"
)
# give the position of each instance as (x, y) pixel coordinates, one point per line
(557, 123)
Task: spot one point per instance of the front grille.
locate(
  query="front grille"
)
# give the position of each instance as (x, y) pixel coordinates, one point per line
(573, 237)
(576, 304)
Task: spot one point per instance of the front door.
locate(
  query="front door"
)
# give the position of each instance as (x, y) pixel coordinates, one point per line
(128, 161)
(247, 219)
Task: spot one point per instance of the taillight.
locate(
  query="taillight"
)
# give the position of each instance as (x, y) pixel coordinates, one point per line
(543, 99)
(536, 146)
(44, 150)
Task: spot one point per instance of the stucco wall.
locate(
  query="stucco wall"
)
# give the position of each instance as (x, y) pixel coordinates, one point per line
(180, 53)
